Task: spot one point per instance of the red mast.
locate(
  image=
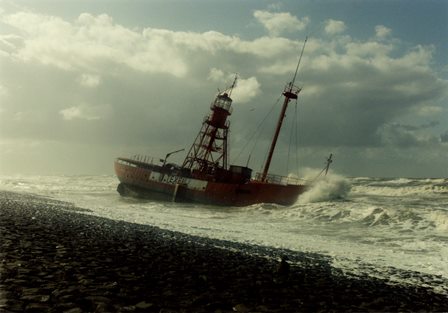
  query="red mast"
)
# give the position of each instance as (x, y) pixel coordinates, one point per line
(209, 150)
(289, 93)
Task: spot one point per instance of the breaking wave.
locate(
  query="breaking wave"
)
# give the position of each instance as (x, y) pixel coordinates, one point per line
(395, 187)
(326, 188)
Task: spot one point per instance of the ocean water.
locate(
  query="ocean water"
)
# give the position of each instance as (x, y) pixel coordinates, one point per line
(391, 228)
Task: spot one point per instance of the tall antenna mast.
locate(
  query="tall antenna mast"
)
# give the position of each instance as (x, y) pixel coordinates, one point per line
(300, 59)
(233, 84)
(290, 92)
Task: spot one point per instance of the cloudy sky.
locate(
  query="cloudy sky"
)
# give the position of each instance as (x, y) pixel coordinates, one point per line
(85, 81)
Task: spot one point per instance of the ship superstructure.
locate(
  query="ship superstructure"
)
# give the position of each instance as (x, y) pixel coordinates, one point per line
(205, 175)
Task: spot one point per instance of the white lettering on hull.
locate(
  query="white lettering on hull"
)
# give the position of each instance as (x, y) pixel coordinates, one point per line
(190, 183)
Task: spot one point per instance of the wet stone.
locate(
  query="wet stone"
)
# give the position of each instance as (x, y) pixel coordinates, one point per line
(36, 298)
(143, 305)
(74, 310)
(37, 307)
(98, 299)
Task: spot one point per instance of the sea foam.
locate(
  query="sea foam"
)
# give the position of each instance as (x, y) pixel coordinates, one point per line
(326, 188)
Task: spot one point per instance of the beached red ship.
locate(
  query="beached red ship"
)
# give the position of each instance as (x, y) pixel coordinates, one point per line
(205, 175)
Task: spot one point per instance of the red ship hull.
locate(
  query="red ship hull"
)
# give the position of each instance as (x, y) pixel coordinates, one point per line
(146, 179)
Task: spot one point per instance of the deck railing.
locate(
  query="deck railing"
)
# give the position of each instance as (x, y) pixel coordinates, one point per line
(138, 159)
(278, 179)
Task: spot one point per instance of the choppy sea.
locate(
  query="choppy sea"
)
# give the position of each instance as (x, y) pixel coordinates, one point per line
(390, 228)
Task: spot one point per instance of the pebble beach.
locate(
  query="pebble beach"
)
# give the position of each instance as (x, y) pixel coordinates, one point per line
(55, 257)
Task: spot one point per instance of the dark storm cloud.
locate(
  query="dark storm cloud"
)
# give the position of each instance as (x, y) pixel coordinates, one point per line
(417, 127)
(405, 135)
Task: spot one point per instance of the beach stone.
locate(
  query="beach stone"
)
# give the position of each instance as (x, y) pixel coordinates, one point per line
(241, 308)
(37, 307)
(111, 285)
(35, 298)
(102, 307)
(262, 308)
(98, 299)
(143, 305)
(74, 310)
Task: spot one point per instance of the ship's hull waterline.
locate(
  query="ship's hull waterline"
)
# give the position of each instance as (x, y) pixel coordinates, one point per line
(146, 182)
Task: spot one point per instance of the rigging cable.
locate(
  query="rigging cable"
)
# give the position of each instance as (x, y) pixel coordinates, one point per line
(257, 131)
(289, 146)
(294, 137)
(267, 151)
(297, 136)
(259, 125)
